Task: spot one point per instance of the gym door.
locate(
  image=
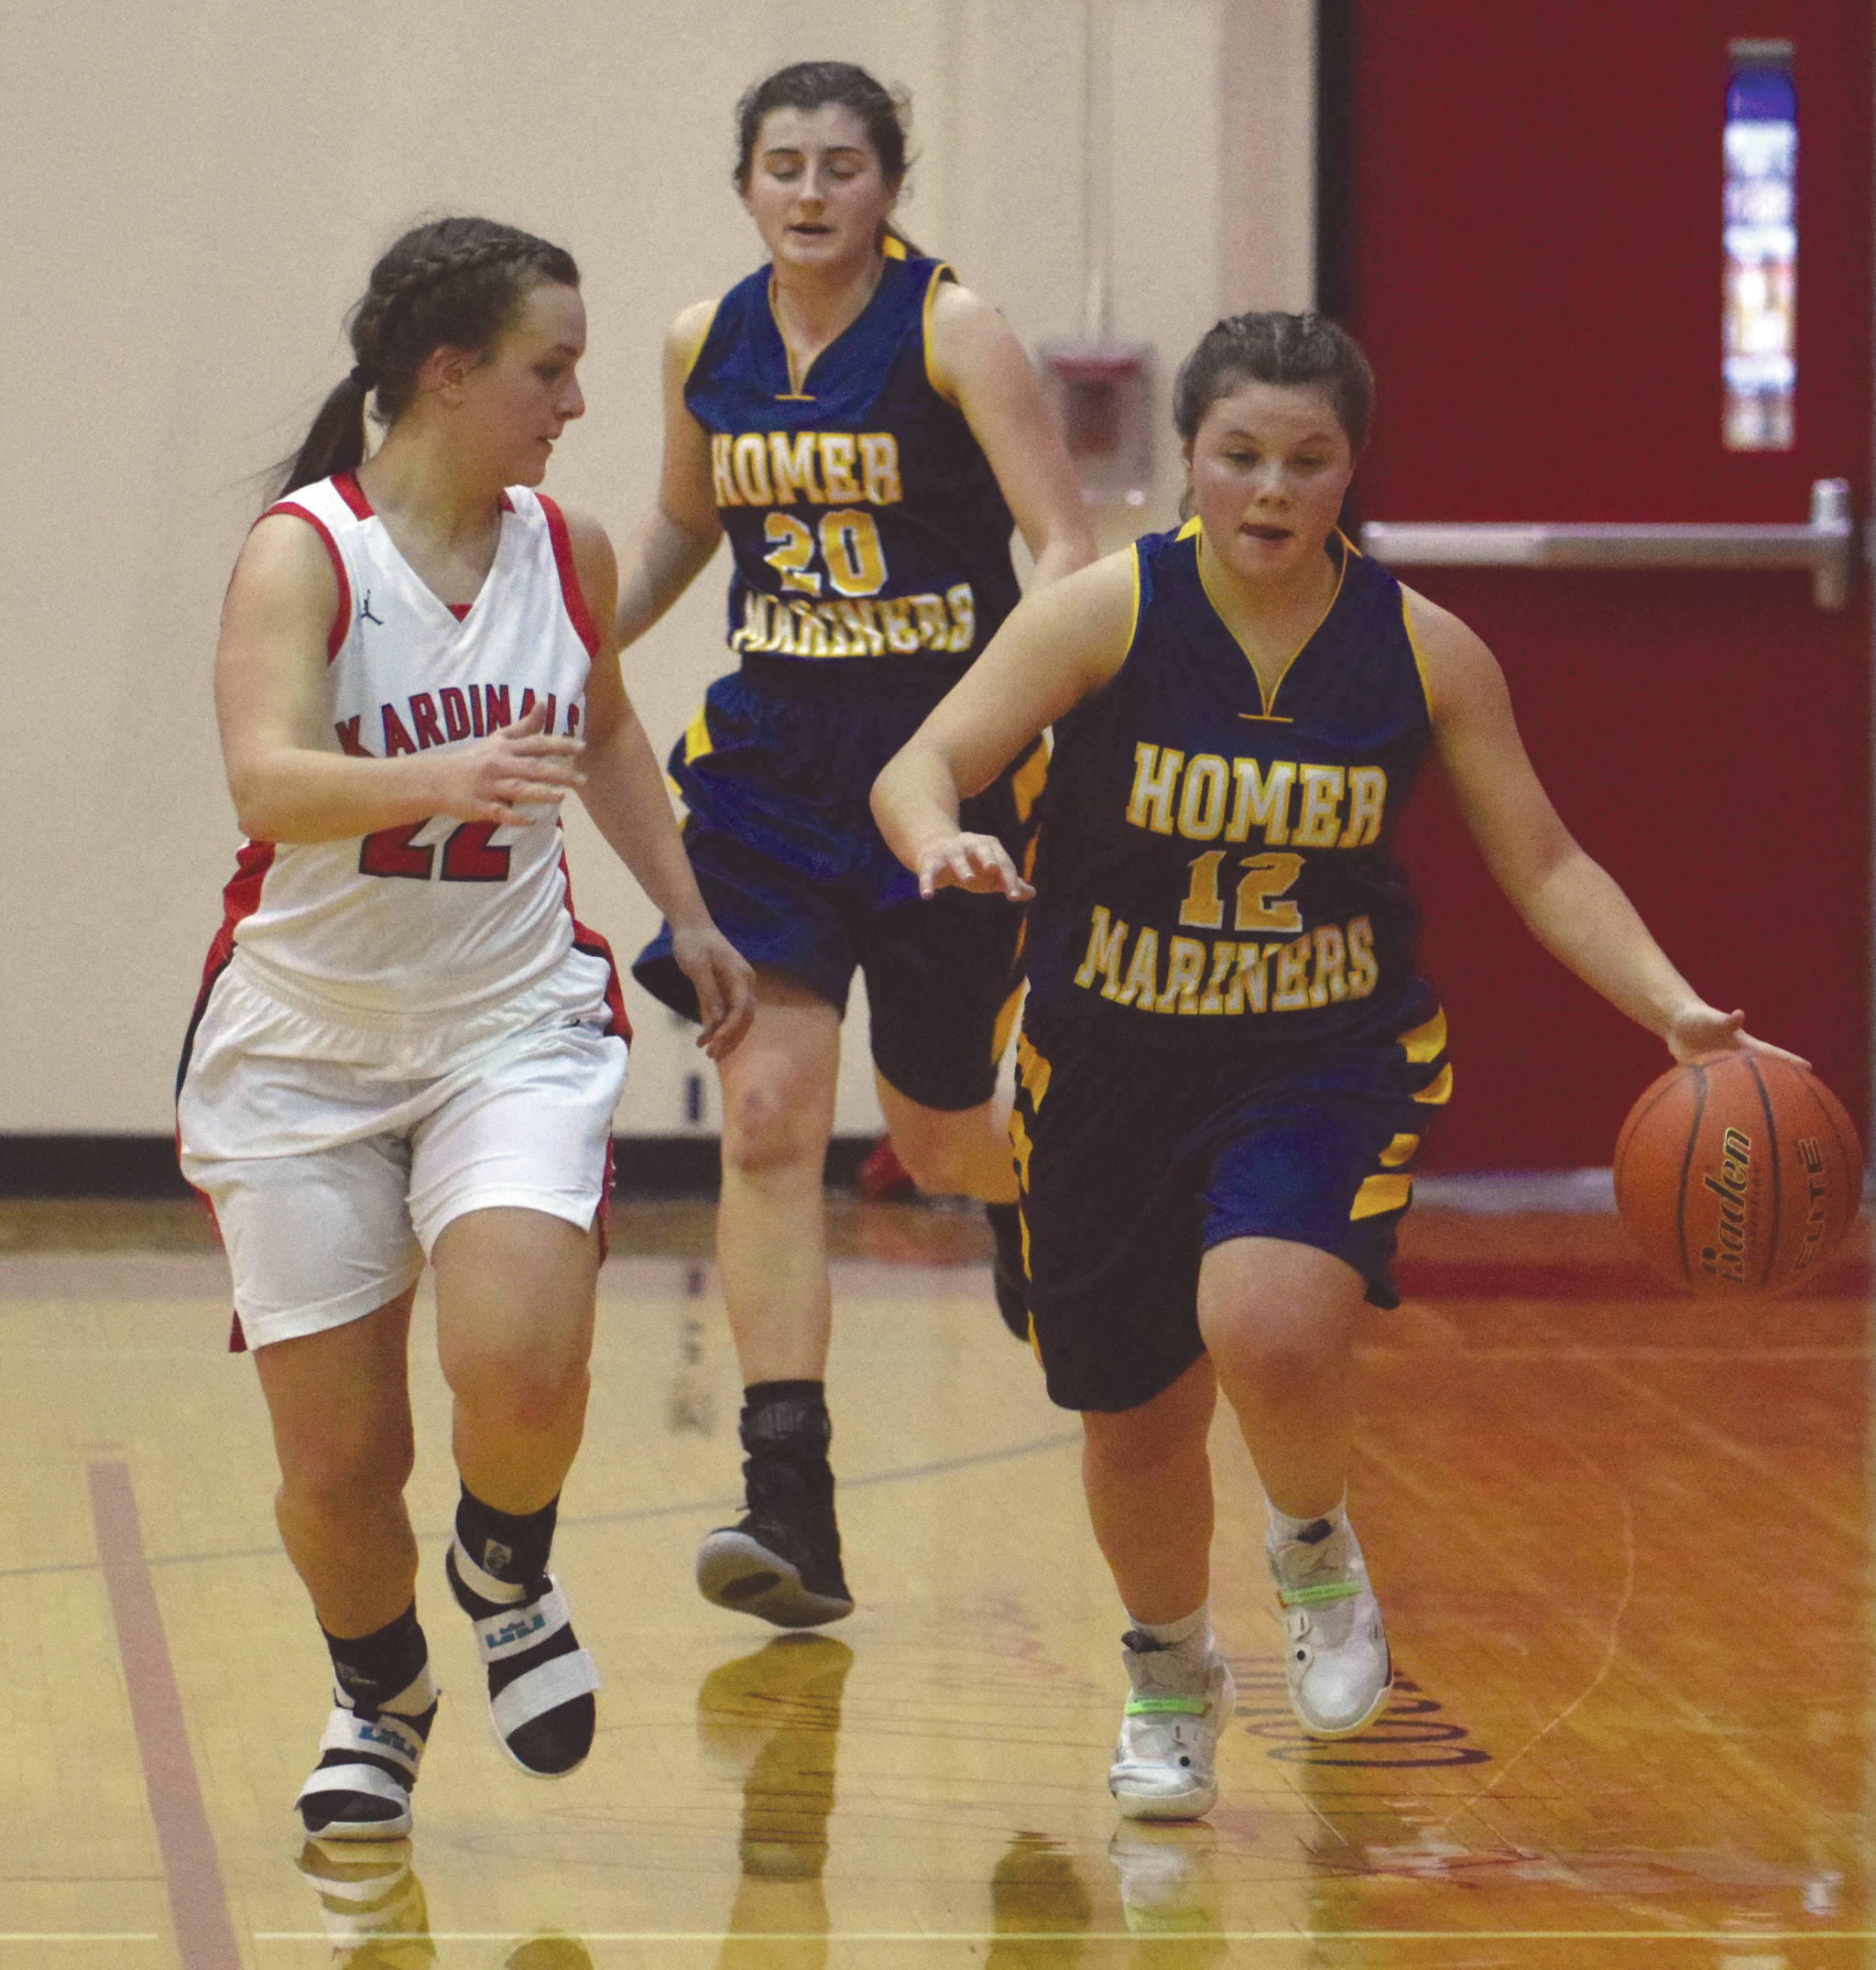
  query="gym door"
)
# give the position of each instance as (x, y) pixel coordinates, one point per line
(1522, 221)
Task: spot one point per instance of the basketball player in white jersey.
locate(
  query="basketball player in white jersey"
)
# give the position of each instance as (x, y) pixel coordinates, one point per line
(407, 1048)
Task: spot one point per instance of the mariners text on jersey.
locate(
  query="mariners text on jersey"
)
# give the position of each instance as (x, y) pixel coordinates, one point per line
(1220, 862)
(863, 517)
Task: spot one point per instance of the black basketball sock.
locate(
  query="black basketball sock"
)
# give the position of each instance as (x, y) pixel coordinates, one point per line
(375, 1669)
(497, 1567)
(1008, 1276)
(787, 1410)
(363, 1780)
(510, 1549)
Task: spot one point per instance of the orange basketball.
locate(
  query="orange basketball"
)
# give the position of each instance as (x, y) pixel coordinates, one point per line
(1737, 1175)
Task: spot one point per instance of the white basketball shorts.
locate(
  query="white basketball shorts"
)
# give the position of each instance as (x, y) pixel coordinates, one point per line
(335, 1152)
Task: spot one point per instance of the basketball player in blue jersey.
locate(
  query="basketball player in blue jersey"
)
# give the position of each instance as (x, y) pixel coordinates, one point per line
(865, 431)
(1230, 1057)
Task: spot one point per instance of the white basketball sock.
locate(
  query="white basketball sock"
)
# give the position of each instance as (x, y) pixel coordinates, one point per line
(1282, 1526)
(1194, 1626)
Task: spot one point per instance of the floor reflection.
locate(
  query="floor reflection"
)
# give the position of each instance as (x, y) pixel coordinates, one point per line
(774, 1717)
(370, 1903)
(1168, 1889)
(371, 1907)
(1034, 1890)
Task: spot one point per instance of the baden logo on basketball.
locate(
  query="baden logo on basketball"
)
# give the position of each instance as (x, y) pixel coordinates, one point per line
(1726, 1258)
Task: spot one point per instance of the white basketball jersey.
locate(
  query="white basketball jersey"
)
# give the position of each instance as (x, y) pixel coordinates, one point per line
(442, 915)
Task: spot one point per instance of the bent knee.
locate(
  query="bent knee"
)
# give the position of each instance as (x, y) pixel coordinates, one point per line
(1125, 1450)
(946, 1156)
(773, 1128)
(336, 1476)
(527, 1393)
(1276, 1357)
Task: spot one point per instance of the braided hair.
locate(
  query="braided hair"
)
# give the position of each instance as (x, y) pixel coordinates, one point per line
(454, 281)
(811, 85)
(1273, 347)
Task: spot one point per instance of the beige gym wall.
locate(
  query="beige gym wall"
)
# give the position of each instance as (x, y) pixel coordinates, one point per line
(194, 196)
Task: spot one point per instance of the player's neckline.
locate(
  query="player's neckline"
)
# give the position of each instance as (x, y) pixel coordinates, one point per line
(355, 497)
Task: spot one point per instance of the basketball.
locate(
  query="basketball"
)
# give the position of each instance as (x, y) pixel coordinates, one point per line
(1737, 1174)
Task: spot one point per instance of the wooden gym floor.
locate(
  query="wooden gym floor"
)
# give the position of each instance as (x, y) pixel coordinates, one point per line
(1621, 1541)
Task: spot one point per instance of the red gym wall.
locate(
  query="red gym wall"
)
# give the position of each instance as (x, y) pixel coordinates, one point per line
(1523, 224)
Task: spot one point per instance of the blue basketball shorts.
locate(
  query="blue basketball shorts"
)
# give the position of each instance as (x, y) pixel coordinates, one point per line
(774, 773)
(1135, 1164)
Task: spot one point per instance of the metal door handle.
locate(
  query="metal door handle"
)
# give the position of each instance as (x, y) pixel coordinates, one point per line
(1826, 546)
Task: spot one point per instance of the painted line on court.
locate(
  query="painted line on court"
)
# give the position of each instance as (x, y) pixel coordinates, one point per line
(690, 1507)
(1739, 1938)
(192, 1869)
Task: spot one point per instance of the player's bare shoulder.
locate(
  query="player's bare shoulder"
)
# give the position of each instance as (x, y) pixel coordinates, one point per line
(1457, 666)
(284, 565)
(683, 341)
(966, 336)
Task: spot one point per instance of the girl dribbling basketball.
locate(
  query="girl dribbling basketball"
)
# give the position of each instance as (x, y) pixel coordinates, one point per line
(1230, 1057)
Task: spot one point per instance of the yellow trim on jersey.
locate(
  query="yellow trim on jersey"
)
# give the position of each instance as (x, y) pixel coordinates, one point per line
(1133, 620)
(703, 336)
(1439, 1091)
(1188, 530)
(1425, 1043)
(697, 739)
(1401, 1150)
(1418, 661)
(1032, 1070)
(793, 394)
(938, 274)
(1267, 699)
(1378, 1194)
(892, 247)
(1028, 781)
(1005, 1021)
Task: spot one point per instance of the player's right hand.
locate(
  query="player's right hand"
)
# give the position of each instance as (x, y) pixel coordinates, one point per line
(978, 863)
(512, 775)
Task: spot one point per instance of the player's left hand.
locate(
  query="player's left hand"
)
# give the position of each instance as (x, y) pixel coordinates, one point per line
(978, 863)
(1706, 1030)
(724, 984)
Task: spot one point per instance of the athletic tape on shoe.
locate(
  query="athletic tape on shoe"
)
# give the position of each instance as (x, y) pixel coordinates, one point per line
(540, 1690)
(1340, 1590)
(384, 1737)
(371, 1779)
(525, 1626)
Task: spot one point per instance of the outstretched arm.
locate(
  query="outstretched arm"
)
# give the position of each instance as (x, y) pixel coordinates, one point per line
(670, 546)
(624, 792)
(1055, 648)
(1571, 903)
(978, 361)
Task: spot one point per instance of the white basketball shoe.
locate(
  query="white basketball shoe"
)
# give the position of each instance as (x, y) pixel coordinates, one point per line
(1165, 1759)
(1335, 1661)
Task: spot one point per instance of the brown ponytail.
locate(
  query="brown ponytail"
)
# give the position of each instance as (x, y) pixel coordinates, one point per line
(455, 283)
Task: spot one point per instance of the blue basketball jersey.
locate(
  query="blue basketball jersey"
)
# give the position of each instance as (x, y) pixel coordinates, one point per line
(863, 517)
(1214, 870)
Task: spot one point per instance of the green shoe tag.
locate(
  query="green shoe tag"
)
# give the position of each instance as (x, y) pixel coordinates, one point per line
(1153, 1706)
(1342, 1590)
